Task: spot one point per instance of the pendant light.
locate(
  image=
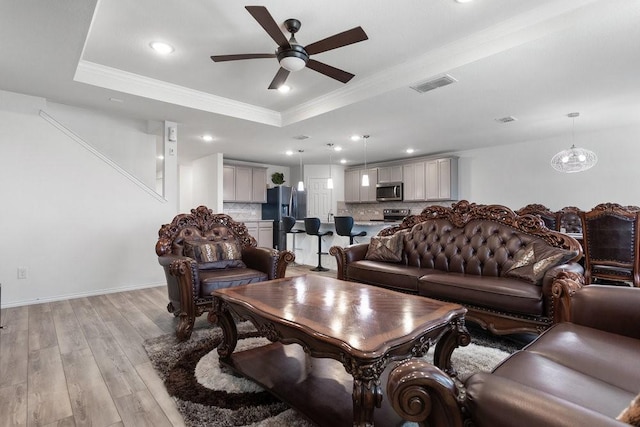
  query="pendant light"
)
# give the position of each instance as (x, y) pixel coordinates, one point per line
(330, 180)
(574, 159)
(301, 182)
(365, 175)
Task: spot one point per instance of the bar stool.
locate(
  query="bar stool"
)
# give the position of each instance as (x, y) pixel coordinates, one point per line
(312, 228)
(288, 223)
(344, 225)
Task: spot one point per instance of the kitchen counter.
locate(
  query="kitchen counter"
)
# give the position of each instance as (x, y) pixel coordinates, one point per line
(307, 246)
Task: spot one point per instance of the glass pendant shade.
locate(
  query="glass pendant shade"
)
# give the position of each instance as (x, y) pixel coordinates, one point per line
(574, 160)
(330, 184)
(365, 176)
(301, 182)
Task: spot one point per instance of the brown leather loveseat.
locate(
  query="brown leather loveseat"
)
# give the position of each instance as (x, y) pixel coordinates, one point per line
(499, 265)
(201, 252)
(584, 371)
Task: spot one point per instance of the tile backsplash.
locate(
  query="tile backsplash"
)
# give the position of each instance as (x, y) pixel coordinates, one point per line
(243, 211)
(368, 211)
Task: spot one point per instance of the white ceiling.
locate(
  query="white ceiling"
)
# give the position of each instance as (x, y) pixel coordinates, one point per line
(536, 60)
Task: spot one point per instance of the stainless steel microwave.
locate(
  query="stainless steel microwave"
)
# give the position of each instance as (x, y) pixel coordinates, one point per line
(389, 191)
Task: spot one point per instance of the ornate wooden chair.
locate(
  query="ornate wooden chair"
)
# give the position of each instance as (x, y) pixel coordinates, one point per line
(569, 220)
(201, 252)
(550, 218)
(611, 240)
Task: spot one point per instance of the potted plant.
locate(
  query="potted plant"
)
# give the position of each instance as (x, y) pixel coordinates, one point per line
(277, 178)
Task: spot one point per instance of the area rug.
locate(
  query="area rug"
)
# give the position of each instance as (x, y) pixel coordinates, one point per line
(206, 395)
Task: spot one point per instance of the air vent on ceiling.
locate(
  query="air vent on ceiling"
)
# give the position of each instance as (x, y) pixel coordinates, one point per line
(506, 119)
(300, 137)
(434, 83)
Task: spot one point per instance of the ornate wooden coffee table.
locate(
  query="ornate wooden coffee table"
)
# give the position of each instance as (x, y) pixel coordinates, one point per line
(362, 327)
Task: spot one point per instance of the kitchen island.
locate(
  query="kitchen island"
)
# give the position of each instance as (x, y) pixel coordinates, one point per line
(306, 249)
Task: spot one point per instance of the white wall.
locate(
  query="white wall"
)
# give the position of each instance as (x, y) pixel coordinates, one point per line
(520, 174)
(78, 225)
(107, 134)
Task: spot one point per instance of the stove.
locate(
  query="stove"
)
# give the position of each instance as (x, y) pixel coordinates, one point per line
(395, 215)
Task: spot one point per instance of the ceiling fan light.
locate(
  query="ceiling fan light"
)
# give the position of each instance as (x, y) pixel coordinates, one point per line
(292, 63)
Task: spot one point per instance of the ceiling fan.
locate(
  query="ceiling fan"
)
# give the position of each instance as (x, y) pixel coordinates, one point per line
(293, 56)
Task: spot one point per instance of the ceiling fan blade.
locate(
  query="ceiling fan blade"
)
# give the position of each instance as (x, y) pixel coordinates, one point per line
(279, 79)
(345, 38)
(329, 71)
(264, 18)
(222, 58)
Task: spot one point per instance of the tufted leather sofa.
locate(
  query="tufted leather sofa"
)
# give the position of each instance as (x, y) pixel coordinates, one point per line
(464, 254)
(190, 283)
(583, 371)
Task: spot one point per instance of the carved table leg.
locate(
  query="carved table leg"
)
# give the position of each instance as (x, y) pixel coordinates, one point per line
(367, 395)
(222, 317)
(456, 336)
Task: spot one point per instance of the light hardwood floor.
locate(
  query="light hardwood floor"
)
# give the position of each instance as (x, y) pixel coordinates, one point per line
(81, 361)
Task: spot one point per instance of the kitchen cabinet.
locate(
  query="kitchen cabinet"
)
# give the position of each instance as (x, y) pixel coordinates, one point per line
(368, 194)
(390, 174)
(259, 185)
(244, 184)
(352, 186)
(442, 179)
(414, 181)
(354, 192)
(262, 231)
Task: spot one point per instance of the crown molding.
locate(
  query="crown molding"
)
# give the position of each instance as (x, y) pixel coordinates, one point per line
(135, 84)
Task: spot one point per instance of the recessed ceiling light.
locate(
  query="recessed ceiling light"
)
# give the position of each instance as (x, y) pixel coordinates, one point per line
(343, 161)
(463, 1)
(355, 137)
(284, 88)
(161, 47)
(337, 148)
(289, 153)
(410, 150)
(207, 138)
(116, 100)
(160, 157)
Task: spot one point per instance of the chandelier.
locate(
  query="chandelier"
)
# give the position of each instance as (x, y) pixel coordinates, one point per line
(575, 159)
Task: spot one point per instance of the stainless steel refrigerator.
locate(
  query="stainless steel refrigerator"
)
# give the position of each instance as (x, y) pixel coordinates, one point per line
(283, 201)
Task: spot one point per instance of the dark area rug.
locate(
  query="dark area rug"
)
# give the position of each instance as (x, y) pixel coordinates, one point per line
(207, 395)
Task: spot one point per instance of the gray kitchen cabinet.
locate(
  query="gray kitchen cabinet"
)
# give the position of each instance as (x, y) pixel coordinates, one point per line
(244, 184)
(442, 179)
(390, 174)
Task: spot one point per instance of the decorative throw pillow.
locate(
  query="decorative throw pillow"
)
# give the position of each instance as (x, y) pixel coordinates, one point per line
(631, 414)
(532, 262)
(218, 254)
(387, 248)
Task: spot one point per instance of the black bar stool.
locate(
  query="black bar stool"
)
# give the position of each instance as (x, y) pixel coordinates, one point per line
(344, 225)
(312, 228)
(288, 223)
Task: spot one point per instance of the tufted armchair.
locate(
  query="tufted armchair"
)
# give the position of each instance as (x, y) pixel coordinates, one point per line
(201, 252)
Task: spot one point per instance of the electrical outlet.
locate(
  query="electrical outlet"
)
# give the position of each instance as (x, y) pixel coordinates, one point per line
(22, 273)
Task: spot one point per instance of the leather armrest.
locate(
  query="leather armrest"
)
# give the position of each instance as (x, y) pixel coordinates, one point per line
(270, 261)
(608, 308)
(346, 255)
(495, 401)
